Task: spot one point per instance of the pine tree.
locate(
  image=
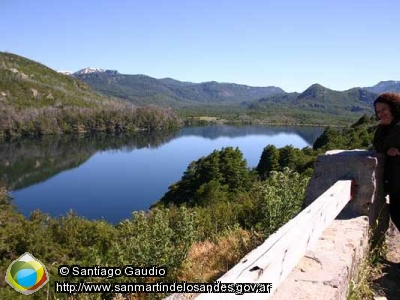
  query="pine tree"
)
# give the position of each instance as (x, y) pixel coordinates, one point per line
(269, 161)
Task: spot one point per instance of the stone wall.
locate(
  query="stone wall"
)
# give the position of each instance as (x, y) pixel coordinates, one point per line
(366, 169)
(326, 270)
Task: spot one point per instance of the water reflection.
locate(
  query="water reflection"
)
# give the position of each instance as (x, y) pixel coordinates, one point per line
(108, 176)
(309, 134)
(29, 161)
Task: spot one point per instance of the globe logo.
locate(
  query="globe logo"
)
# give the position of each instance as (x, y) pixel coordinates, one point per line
(27, 274)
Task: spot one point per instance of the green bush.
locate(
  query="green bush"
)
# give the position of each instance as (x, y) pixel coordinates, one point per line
(280, 199)
(152, 239)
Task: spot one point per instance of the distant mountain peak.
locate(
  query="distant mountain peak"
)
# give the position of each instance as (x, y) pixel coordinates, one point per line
(89, 71)
(387, 82)
(316, 90)
(384, 87)
(317, 86)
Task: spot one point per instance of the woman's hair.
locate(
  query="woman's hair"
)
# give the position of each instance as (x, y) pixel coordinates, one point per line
(391, 99)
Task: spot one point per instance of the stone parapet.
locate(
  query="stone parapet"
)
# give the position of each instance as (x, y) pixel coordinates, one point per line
(366, 169)
(326, 270)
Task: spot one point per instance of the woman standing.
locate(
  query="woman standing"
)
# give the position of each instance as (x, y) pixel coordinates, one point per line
(387, 141)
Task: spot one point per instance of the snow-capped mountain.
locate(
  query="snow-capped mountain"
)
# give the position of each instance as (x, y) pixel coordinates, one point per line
(66, 72)
(89, 71)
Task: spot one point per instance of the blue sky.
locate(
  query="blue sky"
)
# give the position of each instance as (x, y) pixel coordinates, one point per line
(287, 43)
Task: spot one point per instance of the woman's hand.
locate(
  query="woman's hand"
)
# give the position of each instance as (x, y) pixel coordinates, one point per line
(393, 152)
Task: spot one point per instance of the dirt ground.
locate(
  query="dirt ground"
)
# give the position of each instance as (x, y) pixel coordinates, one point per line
(388, 283)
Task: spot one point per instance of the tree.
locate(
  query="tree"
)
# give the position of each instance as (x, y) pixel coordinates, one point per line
(221, 173)
(288, 157)
(234, 169)
(269, 161)
(328, 139)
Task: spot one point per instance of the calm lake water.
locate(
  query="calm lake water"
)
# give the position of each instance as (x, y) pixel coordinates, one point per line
(110, 176)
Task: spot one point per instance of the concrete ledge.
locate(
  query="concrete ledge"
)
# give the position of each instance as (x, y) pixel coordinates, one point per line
(325, 272)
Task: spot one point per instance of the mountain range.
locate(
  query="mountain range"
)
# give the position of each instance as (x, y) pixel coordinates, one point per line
(25, 83)
(142, 89)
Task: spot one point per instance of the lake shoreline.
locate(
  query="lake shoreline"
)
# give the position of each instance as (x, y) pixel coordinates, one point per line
(124, 173)
(207, 121)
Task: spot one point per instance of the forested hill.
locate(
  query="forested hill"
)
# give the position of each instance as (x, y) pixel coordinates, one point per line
(317, 96)
(36, 100)
(142, 89)
(27, 84)
(318, 102)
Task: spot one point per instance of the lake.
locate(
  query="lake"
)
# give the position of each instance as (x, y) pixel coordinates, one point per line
(108, 176)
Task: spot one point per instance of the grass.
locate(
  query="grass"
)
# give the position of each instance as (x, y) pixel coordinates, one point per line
(362, 287)
(208, 260)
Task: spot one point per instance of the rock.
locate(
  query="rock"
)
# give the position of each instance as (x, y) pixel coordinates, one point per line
(23, 76)
(20, 74)
(34, 92)
(4, 95)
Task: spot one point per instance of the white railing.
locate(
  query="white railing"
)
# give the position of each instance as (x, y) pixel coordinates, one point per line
(275, 259)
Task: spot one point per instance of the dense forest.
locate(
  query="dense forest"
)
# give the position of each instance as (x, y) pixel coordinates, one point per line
(34, 122)
(207, 221)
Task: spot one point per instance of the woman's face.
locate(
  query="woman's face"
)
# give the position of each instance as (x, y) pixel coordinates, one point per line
(384, 113)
